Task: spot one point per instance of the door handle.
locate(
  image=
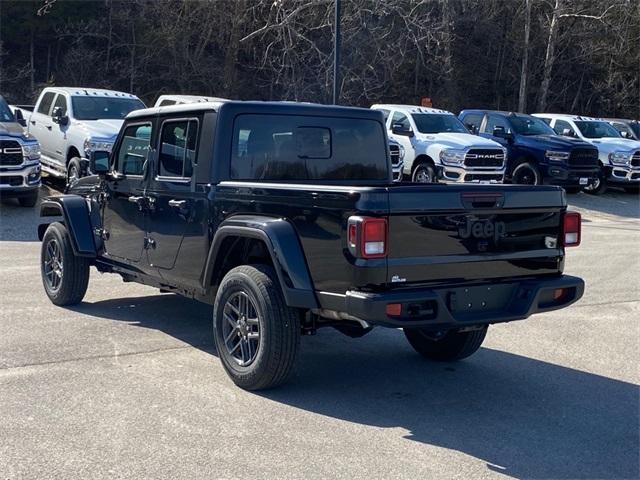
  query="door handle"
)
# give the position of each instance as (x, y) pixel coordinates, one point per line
(177, 203)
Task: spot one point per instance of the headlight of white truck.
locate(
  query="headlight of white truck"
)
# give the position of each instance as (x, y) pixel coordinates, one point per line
(452, 157)
(400, 152)
(557, 156)
(31, 151)
(93, 144)
(622, 159)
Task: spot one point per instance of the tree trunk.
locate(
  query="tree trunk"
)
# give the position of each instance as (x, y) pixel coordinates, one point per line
(549, 58)
(31, 59)
(524, 74)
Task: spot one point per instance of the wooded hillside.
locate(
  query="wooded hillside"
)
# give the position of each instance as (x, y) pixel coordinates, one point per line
(574, 56)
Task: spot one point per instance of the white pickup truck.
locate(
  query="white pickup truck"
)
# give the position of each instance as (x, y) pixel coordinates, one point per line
(438, 147)
(619, 157)
(70, 123)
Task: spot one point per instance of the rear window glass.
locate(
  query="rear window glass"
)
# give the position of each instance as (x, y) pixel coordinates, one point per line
(293, 147)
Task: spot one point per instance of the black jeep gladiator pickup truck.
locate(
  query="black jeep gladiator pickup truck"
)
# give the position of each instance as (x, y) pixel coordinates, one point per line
(284, 217)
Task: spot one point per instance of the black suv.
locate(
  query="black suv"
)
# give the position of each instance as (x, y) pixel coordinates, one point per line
(284, 218)
(536, 154)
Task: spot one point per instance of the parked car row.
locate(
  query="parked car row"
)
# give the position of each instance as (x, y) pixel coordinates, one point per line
(426, 145)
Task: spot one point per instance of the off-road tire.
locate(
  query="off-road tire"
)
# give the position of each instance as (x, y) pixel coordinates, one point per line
(279, 328)
(75, 270)
(422, 171)
(29, 200)
(449, 347)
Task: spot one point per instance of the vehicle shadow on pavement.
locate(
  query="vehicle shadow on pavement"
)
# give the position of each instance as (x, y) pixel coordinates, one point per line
(614, 202)
(524, 417)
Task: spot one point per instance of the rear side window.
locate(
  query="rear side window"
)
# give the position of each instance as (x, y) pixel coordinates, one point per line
(45, 103)
(177, 151)
(165, 103)
(560, 127)
(472, 121)
(293, 147)
(134, 149)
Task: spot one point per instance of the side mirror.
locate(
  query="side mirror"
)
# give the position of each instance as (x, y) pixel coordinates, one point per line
(400, 129)
(58, 117)
(99, 162)
(19, 117)
(567, 132)
(625, 134)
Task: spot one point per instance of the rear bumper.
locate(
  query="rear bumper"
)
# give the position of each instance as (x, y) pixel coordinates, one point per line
(459, 307)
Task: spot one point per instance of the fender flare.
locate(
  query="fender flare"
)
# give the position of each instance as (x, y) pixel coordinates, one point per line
(284, 248)
(74, 210)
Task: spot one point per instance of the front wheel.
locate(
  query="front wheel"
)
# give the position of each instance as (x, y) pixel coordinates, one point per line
(424, 173)
(598, 186)
(257, 335)
(74, 171)
(65, 276)
(445, 346)
(526, 173)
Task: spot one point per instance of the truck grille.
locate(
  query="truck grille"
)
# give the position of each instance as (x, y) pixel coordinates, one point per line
(13, 180)
(484, 158)
(395, 154)
(583, 157)
(635, 160)
(10, 153)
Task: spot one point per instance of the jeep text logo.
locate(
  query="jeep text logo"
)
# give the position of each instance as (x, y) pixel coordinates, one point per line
(482, 229)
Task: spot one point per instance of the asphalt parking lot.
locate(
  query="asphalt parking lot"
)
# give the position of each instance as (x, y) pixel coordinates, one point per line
(127, 384)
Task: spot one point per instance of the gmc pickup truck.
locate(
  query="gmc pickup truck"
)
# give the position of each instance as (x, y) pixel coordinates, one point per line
(71, 122)
(19, 160)
(284, 217)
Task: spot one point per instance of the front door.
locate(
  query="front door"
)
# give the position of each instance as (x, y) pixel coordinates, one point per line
(178, 243)
(404, 140)
(125, 205)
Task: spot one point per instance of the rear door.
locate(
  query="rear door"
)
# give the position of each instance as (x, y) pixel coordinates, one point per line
(125, 209)
(451, 232)
(176, 228)
(40, 124)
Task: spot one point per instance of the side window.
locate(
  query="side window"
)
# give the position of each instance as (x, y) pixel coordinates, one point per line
(177, 151)
(494, 121)
(402, 119)
(560, 127)
(60, 102)
(134, 149)
(165, 103)
(472, 121)
(45, 103)
(546, 120)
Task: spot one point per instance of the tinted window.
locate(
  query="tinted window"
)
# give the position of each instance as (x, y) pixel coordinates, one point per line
(560, 126)
(402, 119)
(178, 148)
(62, 103)
(473, 121)
(438, 123)
(165, 103)
(291, 147)
(596, 129)
(45, 103)
(134, 149)
(494, 121)
(5, 112)
(528, 125)
(94, 108)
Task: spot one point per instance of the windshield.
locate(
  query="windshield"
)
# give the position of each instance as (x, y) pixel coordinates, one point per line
(526, 125)
(596, 129)
(94, 108)
(5, 112)
(438, 123)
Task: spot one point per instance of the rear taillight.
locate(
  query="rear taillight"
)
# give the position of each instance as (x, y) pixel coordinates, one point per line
(367, 237)
(571, 229)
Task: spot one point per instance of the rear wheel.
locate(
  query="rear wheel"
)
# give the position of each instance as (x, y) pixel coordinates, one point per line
(29, 200)
(526, 173)
(65, 276)
(445, 346)
(424, 173)
(257, 335)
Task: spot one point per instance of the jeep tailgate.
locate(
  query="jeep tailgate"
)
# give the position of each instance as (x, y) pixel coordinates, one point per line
(450, 233)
